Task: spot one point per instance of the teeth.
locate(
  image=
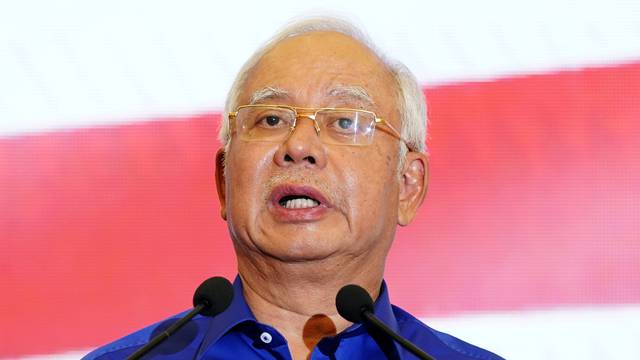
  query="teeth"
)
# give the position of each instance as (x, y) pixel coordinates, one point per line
(300, 203)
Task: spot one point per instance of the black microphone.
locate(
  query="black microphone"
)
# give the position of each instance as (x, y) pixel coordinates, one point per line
(211, 298)
(355, 304)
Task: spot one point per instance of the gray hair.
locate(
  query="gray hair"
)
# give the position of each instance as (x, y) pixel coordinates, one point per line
(411, 103)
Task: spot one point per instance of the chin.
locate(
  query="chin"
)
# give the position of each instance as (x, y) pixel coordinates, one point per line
(302, 249)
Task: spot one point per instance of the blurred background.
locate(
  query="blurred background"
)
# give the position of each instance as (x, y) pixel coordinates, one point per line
(529, 240)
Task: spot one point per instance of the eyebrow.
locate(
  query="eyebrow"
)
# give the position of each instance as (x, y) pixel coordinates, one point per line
(268, 93)
(354, 92)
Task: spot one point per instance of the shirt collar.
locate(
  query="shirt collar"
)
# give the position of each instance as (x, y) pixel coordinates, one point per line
(383, 309)
(239, 312)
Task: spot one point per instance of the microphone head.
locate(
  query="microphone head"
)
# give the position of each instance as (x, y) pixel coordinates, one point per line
(216, 293)
(351, 301)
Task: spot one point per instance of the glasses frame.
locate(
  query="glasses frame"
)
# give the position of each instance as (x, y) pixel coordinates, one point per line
(311, 113)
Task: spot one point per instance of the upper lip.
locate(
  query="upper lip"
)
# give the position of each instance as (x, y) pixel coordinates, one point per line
(300, 190)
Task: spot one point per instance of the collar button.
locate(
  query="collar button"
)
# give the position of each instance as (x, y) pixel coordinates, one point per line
(266, 337)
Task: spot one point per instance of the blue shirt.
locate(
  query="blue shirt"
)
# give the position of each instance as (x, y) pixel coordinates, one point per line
(236, 334)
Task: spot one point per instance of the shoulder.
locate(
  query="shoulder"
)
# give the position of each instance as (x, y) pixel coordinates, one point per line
(437, 342)
(123, 347)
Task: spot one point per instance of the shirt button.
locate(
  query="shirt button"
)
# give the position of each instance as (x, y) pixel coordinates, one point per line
(266, 337)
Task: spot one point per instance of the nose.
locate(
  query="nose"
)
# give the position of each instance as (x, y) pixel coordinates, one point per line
(302, 147)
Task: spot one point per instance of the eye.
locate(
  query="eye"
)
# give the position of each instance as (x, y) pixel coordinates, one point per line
(341, 122)
(271, 120)
(345, 123)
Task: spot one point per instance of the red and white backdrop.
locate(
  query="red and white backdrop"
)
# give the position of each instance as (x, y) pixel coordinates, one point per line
(528, 243)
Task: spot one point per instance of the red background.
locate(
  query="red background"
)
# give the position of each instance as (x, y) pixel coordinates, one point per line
(534, 202)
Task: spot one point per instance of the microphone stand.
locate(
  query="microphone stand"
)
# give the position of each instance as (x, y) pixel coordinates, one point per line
(370, 317)
(165, 334)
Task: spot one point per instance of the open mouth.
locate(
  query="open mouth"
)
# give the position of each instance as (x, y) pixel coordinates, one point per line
(298, 202)
(295, 197)
(292, 203)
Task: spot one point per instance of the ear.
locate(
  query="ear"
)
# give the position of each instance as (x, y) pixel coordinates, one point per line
(413, 186)
(220, 183)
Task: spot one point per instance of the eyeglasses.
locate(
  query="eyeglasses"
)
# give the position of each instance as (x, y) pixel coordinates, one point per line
(337, 126)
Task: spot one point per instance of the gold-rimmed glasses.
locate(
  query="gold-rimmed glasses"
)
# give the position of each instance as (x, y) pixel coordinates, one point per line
(338, 126)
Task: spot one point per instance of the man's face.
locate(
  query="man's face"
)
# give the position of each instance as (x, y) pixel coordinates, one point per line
(356, 186)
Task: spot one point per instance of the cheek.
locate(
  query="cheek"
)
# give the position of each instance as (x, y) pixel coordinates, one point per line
(373, 184)
(246, 176)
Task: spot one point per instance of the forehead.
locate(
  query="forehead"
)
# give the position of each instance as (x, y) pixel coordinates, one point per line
(309, 66)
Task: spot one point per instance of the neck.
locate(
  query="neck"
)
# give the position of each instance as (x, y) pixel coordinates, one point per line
(298, 298)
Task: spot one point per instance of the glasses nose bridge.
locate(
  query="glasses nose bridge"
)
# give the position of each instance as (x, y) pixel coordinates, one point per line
(308, 115)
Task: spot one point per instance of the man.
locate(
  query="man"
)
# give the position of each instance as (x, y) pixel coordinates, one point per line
(324, 155)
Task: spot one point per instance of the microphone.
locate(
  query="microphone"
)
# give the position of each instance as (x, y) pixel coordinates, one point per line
(212, 297)
(355, 304)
